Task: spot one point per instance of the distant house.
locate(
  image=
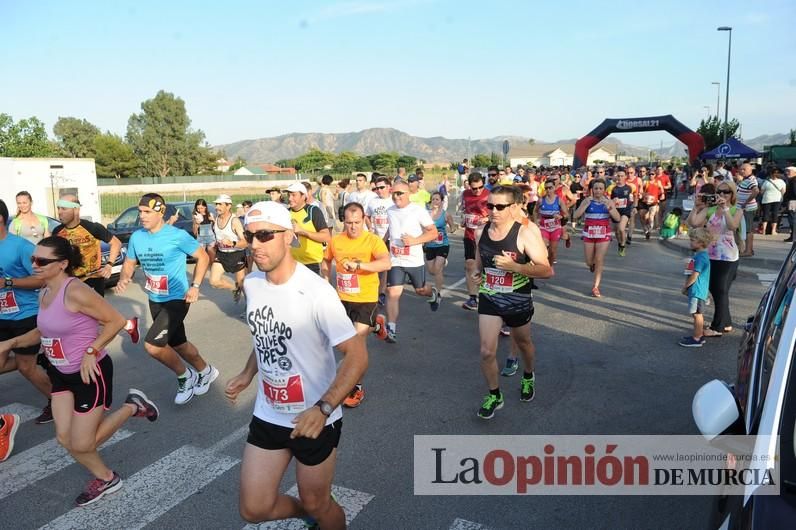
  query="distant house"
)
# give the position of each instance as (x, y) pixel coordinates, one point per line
(250, 171)
(223, 165)
(271, 169)
(558, 154)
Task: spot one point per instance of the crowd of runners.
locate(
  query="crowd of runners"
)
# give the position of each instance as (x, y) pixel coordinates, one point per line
(316, 275)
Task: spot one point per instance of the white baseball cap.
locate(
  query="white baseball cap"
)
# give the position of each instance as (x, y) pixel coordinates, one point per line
(223, 198)
(297, 187)
(269, 212)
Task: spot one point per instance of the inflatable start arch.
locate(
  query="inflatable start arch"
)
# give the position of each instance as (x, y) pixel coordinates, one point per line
(693, 140)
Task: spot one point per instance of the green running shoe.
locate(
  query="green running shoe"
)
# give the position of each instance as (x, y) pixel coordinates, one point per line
(490, 405)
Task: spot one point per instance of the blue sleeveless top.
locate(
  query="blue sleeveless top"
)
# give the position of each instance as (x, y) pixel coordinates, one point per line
(442, 232)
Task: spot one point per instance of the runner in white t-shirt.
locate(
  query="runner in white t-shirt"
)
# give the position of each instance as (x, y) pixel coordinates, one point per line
(295, 318)
(410, 227)
(362, 195)
(377, 222)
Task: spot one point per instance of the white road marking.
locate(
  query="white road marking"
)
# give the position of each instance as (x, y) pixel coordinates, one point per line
(766, 278)
(30, 466)
(151, 492)
(452, 287)
(26, 412)
(352, 502)
(463, 524)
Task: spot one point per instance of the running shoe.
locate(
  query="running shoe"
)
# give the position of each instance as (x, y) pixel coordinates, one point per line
(629, 240)
(435, 299)
(382, 299)
(568, 242)
(691, 342)
(97, 488)
(380, 329)
(392, 337)
(622, 251)
(471, 304)
(505, 331)
(591, 267)
(7, 433)
(354, 398)
(490, 405)
(203, 381)
(595, 292)
(512, 365)
(237, 294)
(646, 234)
(527, 388)
(145, 407)
(185, 389)
(132, 329)
(46, 415)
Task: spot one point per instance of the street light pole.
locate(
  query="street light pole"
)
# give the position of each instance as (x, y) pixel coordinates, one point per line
(718, 96)
(707, 108)
(727, 94)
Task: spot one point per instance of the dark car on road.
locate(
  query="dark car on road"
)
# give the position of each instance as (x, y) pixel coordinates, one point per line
(129, 221)
(761, 404)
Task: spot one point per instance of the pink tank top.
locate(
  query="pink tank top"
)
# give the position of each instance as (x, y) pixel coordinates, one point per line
(65, 335)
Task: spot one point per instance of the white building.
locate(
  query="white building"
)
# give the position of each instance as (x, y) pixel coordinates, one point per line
(46, 179)
(558, 154)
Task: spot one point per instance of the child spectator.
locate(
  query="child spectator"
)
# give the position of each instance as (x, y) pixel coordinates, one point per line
(696, 285)
(671, 224)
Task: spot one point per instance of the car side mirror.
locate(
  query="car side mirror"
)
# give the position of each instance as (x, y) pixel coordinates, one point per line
(715, 409)
(112, 226)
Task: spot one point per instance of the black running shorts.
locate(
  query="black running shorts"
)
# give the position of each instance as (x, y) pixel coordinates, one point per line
(469, 248)
(87, 396)
(232, 261)
(398, 275)
(167, 323)
(306, 450)
(433, 253)
(364, 313)
(516, 309)
(10, 329)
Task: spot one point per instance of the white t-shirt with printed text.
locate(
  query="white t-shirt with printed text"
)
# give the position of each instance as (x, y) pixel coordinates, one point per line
(377, 211)
(294, 327)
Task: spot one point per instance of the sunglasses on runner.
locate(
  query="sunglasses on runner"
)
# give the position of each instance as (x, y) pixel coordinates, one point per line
(491, 174)
(263, 236)
(498, 207)
(476, 188)
(398, 193)
(381, 187)
(724, 192)
(41, 262)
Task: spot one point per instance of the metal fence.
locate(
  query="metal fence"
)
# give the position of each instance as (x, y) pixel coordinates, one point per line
(112, 204)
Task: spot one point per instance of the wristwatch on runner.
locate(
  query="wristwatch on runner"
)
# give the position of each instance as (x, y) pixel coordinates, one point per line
(195, 285)
(91, 351)
(9, 282)
(326, 407)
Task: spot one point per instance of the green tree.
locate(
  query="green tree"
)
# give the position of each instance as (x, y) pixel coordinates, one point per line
(313, 160)
(385, 161)
(239, 163)
(345, 162)
(409, 162)
(113, 157)
(481, 161)
(792, 135)
(163, 141)
(712, 130)
(26, 138)
(362, 164)
(76, 137)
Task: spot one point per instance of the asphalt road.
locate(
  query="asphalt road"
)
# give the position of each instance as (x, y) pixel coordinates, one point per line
(607, 366)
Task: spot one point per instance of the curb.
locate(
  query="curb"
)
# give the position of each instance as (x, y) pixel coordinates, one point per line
(754, 262)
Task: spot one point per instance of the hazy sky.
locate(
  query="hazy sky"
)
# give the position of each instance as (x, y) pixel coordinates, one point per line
(547, 70)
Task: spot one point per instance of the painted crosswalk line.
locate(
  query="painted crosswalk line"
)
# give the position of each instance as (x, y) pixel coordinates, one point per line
(766, 278)
(150, 493)
(25, 412)
(352, 502)
(463, 524)
(32, 465)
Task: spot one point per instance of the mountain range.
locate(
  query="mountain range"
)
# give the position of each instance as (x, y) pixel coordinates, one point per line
(434, 149)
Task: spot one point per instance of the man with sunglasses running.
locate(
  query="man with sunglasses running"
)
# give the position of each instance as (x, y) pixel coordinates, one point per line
(410, 227)
(378, 222)
(161, 250)
(295, 318)
(509, 256)
(475, 215)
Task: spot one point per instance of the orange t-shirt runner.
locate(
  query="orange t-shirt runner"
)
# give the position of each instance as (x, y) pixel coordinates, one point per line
(356, 286)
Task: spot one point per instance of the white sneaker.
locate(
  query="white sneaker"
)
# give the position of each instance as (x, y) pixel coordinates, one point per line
(203, 381)
(185, 389)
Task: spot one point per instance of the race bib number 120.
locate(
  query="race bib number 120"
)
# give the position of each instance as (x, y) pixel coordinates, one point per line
(498, 280)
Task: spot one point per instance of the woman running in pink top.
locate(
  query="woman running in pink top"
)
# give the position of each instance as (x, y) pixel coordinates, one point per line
(74, 325)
